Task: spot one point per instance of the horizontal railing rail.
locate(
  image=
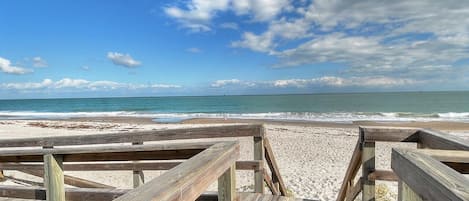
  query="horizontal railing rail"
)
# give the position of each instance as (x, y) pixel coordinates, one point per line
(262, 152)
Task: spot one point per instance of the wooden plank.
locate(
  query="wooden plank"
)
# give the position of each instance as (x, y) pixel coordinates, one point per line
(137, 175)
(71, 194)
(95, 194)
(270, 184)
(107, 149)
(71, 180)
(160, 165)
(389, 134)
(383, 175)
(368, 166)
(258, 155)
(188, 180)
(454, 156)
(270, 159)
(354, 166)
(405, 193)
(243, 130)
(353, 192)
(429, 178)
(109, 153)
(54, 178)
(227, 185)
(438, 140)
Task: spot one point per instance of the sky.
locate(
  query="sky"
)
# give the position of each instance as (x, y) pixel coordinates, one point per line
(51, 49)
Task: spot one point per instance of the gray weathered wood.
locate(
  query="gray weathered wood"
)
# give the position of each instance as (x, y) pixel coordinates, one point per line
(144, 165)
(243, 130)
(54, 178)
(438, 140)
(389, 134)
(189, 179)
(138, 176)
(227, 185)
(354, 190)
(70, 180)
(429, 178)
(368, 166)
(405, 193)
(258, 174)
(354, 166)
(270, 158)
(109, 153)
(270, 184)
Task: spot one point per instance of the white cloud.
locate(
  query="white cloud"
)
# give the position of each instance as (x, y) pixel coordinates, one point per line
(229, 25)
(39, 62)
(123, 59)
(85, 68)
(165, 86)
(197, 14)
(222, 83)
(332, 81)
(81, 85)
(194, 50)
(259, 43)
(6, 67)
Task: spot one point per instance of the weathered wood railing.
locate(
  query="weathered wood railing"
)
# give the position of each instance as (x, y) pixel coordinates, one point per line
(206, 163)
(364, 156)
(262, 152)
(424, 176)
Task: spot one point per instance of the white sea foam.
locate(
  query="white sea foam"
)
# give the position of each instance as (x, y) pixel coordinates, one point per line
(290, 116)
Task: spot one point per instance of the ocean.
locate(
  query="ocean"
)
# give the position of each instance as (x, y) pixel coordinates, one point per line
(338, 107)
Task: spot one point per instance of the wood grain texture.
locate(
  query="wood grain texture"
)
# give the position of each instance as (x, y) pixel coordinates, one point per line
(389, 134)
(368, 166)
(270, 184)
(70, 180)
(270, 159)
(383, 175)
(438, 140)
(406, 193)
(243, 130)
(429, 178)
(258, 155)
(138, 178)
(54, 178)
(354, 166)
(354, 190)
(143, 165)
(227, 185)
(188, 180)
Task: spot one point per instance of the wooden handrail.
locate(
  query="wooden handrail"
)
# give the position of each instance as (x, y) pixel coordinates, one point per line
(242, 130)
(354, 166)
(188, 180)
(425, 138)
(270, 158)
(428, 178)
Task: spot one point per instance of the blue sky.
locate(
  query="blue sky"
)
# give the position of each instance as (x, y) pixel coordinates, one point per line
(156, 48)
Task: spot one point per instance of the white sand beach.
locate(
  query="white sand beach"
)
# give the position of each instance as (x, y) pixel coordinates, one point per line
(312, 159)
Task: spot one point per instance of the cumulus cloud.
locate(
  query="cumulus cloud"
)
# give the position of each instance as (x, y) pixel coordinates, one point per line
(6, 67)
(196, 15)
(258, 43)
(39, 62)
(123, 59)
(81, 84)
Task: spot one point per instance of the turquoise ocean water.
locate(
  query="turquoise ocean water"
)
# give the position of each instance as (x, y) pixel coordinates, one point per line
(346, 107)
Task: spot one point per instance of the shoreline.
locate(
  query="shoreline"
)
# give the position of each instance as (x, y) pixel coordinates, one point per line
(438, 125)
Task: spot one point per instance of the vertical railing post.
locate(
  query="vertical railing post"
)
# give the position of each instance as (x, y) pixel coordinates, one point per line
(259, 155)
(138, 176)
(54, 177)
(368, 166)
(405, 193)
(227, 185)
